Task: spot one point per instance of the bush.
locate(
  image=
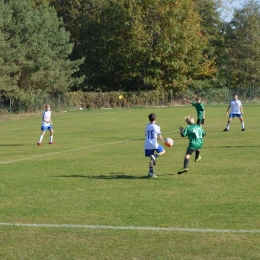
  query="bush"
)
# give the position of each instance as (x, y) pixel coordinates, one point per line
(35, 101)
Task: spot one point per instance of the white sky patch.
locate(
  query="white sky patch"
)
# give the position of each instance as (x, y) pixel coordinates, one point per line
(227, 8)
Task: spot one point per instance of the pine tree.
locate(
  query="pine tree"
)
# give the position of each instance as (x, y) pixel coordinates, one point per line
(37, 49)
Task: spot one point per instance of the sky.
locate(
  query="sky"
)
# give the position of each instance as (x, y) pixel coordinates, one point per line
(228, 8)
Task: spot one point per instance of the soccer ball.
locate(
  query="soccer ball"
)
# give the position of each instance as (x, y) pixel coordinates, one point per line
(168, 142)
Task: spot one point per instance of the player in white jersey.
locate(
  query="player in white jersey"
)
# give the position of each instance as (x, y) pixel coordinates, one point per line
(236, 111)
(46, 124)
(152, 133)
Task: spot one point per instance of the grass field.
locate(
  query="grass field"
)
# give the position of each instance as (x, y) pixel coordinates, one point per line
(88, 195)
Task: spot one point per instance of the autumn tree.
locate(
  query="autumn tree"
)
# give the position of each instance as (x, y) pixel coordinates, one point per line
(214, 29)
(135, 45)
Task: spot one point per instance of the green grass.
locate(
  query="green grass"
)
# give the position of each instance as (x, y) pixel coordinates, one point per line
(96, 174)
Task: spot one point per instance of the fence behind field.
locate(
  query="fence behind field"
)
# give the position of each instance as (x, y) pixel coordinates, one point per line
(94, 100)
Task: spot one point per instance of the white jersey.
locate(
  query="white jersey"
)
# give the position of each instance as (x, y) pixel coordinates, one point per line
(46, 116)
(151, 132)
(235, 106)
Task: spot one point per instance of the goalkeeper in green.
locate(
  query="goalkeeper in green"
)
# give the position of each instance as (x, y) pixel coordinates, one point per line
(195, 134)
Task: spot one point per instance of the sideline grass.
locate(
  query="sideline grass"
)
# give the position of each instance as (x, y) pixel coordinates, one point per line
(96, 174)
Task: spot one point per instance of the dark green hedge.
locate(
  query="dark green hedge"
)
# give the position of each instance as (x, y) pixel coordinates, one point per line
(34, 102)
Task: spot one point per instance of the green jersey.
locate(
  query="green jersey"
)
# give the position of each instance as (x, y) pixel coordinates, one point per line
(199, 108)
(195, 134)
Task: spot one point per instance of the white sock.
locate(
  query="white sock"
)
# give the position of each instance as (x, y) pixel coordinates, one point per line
(228, 125)
(51, 138)
(40, 140)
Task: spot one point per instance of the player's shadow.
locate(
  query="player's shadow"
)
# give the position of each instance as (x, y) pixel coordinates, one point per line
(230, 146)
(117, 175)
(110, 176)
(11, 145)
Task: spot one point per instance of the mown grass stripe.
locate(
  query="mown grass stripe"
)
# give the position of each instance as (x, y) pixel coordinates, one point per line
(73, 150)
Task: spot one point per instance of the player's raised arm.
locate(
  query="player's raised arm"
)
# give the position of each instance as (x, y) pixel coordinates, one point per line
(186, 100)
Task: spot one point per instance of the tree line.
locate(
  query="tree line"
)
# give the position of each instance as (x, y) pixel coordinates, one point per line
(57, 46)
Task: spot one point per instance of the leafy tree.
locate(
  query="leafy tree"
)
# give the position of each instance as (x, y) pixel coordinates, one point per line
(36, 51)
(214, 29)
(243, 39)
(131, 45)
(101, 33)
(176, 44)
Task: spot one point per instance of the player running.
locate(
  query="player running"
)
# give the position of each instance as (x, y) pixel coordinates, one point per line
(195, 133)
(152, 133)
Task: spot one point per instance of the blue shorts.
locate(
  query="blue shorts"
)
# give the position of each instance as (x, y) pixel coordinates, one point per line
(233, 115)
(148, 153)
(45, 128)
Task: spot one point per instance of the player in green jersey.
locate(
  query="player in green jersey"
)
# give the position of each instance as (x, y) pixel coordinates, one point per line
(195, 134)
(199, 108)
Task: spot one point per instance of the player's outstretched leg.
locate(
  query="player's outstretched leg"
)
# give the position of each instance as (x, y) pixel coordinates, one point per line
(185, 164)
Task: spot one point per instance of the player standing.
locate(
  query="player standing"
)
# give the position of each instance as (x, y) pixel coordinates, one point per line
(236, 111)
(46, 124)
(201, 113)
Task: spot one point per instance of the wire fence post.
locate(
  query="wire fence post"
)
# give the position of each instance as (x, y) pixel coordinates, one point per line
(10, 105)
